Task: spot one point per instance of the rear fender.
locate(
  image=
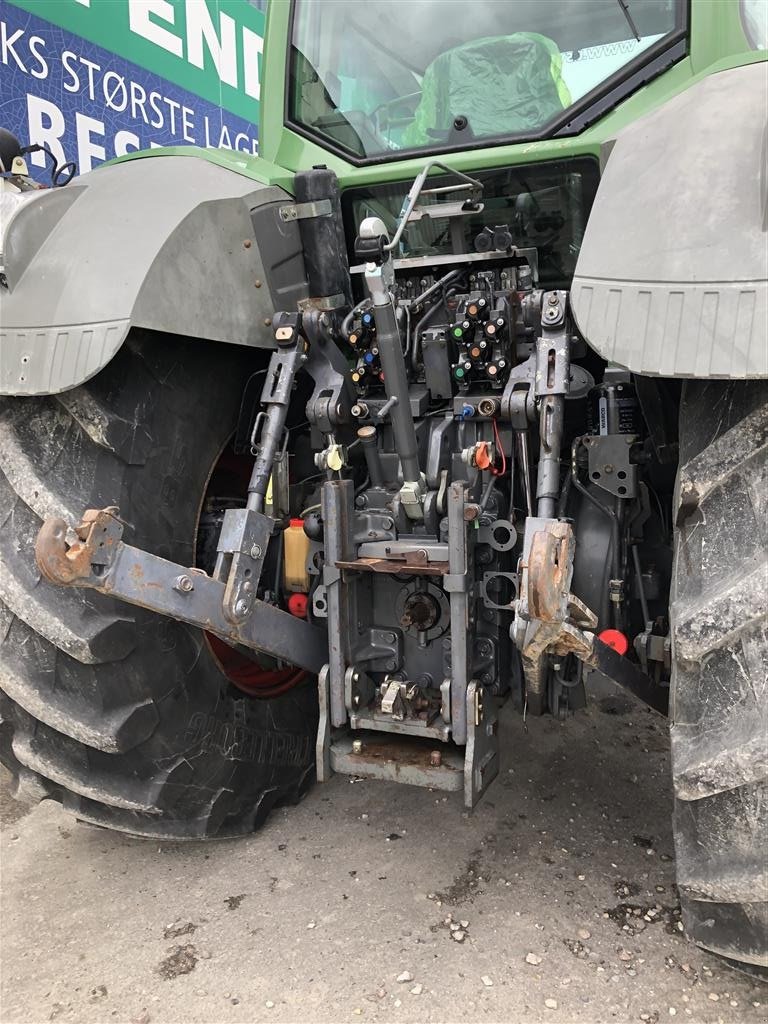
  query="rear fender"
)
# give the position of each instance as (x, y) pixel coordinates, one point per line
(672, 277)
(173, 244)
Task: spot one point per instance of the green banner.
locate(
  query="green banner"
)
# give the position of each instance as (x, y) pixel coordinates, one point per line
(211, 48)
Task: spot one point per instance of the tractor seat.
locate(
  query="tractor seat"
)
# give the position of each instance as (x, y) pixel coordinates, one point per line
(502, 84)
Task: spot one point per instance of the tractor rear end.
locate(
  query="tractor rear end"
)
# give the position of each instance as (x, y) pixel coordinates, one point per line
(475, 434)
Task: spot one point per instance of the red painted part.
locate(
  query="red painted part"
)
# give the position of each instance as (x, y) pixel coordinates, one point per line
(482, 458)
(231, 475)
(250, 677)
(614, 638)
(297, 605)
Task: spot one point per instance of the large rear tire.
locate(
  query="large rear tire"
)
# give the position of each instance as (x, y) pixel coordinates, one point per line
(123, 715)
(719, 703)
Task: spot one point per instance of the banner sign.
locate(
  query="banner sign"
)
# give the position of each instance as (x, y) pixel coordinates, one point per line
(95, 79)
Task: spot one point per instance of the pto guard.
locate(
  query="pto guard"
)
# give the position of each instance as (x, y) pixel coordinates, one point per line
(171, 244)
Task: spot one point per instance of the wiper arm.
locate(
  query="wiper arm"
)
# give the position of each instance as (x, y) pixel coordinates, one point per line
(630, 20)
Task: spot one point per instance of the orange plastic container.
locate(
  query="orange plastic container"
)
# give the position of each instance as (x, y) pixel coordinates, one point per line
(296, 553)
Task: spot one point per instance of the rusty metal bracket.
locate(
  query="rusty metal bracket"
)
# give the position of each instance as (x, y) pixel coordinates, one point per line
(98, 532)
(395, 566)
(549, 571)
(550, 620)
(546, 572)
(99, 559)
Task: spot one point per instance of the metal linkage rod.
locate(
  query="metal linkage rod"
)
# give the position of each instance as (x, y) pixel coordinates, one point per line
(276, 396)
(551, 437)
(101, 561)
(396, 386)
(552, 384)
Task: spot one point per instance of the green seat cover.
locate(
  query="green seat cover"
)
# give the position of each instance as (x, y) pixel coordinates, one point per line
(502, 84)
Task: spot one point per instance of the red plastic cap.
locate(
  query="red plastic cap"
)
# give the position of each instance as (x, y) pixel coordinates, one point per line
(614, 638)
(297, 605)
(297, 522)
(482, 457)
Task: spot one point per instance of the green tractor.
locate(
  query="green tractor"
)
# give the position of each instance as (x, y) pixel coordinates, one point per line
(452, 396)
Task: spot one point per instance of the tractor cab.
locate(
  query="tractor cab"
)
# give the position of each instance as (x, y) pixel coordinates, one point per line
(374, 81)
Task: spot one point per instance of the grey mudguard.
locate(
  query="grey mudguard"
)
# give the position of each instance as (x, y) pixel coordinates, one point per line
(672, 275)
(174, 244)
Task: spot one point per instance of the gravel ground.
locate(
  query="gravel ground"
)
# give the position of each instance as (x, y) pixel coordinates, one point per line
(345, 908)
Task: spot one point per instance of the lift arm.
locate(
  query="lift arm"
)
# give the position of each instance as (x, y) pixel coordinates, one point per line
(100, 560)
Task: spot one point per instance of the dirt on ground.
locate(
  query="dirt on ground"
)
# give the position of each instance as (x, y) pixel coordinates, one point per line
(554, 901)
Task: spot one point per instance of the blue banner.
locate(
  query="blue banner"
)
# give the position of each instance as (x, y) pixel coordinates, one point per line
(89, 105)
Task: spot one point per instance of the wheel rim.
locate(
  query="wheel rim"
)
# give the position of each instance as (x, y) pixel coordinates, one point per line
(228, 487)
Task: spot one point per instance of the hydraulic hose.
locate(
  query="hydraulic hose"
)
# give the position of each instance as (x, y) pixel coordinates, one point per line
(346, 324)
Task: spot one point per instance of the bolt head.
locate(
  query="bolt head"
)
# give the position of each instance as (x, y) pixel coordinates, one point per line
(183, 584)
(357, 746)
(255, 551)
